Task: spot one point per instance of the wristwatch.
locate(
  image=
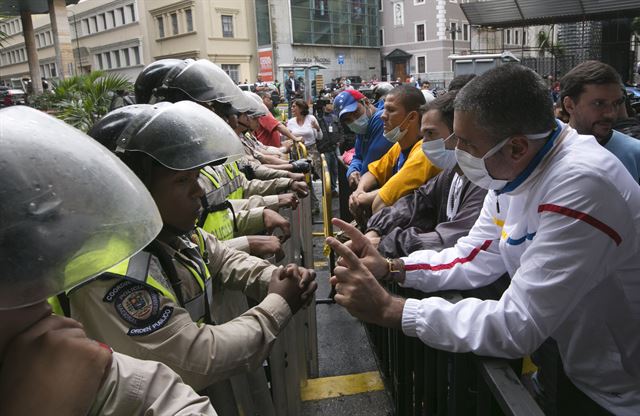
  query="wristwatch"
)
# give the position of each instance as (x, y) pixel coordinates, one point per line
(396, 269)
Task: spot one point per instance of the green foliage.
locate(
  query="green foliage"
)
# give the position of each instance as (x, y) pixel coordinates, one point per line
(635, 26)
(83, 99)
(544, 42)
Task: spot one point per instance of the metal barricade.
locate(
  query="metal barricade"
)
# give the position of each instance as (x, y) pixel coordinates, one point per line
(294, 357)
(427, 381)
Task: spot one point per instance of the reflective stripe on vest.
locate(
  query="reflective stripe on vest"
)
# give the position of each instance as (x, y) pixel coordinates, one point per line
(217, 222)
(136, 269)
(235, 181)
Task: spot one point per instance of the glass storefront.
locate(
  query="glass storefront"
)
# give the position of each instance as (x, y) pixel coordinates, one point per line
(335, 22)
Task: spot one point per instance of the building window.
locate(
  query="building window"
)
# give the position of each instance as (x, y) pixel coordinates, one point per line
(160, 27)
(121, 15)
(111, 19)
(233, 71)
(132, 12)
(48, 35)
(508, 36)
(398, 14)
(107, 57)
(465, 31)
(188, 16)
(102, 22)
(349, 23)
(263, 23)
(417, 3)
(381, 35)
(136, 54)
(422, 64)
(174, 23)
(116, 59)
(127, 58)
(380, 5)
(93, 23)
(420, 32)
(84, 24)
(227, 26)
(516, 36)
(524, 37)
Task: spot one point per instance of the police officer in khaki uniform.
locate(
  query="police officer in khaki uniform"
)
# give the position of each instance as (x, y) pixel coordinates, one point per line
(64, 199)
(200, 81)
(158, 305)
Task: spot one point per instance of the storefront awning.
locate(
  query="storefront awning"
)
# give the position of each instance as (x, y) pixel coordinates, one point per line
(510, 13)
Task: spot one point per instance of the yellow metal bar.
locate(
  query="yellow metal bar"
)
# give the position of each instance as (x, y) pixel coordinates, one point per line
(327, 387)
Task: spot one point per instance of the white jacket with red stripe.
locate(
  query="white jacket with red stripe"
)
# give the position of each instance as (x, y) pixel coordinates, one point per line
(568, 236)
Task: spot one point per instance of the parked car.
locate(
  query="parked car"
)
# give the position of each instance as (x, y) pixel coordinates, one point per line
(10, 96)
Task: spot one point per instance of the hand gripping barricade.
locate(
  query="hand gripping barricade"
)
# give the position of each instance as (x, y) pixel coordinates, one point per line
(294, 358)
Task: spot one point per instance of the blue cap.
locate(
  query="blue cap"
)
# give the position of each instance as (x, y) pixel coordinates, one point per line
(346, 102)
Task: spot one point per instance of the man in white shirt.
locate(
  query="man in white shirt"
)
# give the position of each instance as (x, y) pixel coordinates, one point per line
(562, 218)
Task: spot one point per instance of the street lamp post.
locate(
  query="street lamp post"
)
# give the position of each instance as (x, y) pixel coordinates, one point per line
(75, 28)
(453, 30)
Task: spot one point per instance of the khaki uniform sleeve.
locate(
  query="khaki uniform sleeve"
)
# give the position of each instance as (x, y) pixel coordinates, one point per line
(237, 270)
(200, 354)
(238, 243)
(267, 187)
(137, 387)
(250, 222)
(255, 201)
(265, 173)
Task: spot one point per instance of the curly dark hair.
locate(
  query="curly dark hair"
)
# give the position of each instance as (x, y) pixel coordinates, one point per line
(303, 106)
(508, 100)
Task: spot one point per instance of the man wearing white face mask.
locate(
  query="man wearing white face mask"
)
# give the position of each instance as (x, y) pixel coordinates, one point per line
(563, 219)
(441, 211)
(404, 167)
(353, 109)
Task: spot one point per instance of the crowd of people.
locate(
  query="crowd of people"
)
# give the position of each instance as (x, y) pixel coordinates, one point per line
(148, 234)
(488, 183)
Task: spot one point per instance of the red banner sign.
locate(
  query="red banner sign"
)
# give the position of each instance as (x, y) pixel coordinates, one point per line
(265, 58)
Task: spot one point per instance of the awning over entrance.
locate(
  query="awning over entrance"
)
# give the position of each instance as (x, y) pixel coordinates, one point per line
(398, 55)
(13, 7)
(510, 13)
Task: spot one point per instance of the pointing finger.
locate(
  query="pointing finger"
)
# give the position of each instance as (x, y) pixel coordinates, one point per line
(349, 259)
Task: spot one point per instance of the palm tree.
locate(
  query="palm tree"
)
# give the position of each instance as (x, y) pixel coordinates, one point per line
(82, 100)
(544, 41)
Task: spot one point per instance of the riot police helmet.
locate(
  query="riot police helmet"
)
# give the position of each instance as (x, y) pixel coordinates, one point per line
(180, 136)
(70, 210)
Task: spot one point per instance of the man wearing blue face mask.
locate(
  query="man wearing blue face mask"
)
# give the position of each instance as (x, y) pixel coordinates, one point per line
(441, 211)
(364, 120)
(404, 167)
(562, 219)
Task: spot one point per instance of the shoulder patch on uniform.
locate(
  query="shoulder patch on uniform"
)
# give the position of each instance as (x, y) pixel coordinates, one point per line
(139, 306)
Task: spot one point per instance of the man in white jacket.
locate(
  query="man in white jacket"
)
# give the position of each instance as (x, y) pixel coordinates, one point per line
(562, 218)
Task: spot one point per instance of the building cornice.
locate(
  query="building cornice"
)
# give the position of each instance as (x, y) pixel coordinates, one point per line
(171, 7)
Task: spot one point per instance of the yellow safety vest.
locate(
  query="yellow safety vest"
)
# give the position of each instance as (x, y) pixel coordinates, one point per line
(136, 269)
(216, 217)
(236, 191)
